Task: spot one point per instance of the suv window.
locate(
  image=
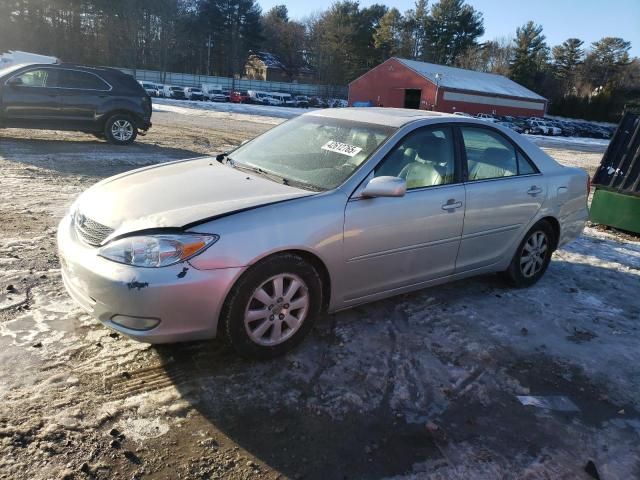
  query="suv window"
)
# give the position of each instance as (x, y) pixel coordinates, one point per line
(80, 80)
(423, 158)
(491, 155)
(37, 78)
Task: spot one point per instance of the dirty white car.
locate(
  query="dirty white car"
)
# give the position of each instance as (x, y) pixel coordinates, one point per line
(326, 211)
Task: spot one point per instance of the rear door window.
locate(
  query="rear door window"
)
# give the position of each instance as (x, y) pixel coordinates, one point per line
(80, 80)
(489, 154)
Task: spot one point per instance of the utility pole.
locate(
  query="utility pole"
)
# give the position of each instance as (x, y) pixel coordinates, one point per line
(209, 44)
(438, 77)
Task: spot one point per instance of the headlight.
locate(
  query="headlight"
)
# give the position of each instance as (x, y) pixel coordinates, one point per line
(156, 250)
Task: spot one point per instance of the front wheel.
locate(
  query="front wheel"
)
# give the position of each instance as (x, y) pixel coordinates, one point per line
(120, 129)
(272, 307)
(532, 257)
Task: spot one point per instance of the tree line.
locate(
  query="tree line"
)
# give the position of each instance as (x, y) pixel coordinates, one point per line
(340, 43)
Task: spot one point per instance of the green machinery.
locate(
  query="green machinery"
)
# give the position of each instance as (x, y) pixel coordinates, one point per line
(616, 201)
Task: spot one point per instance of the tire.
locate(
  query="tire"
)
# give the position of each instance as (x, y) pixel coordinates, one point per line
(539, 242)
(120, 129)
(269, 334)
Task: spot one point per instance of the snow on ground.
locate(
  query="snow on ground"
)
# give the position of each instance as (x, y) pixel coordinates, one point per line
(544, 140)
(238, 111)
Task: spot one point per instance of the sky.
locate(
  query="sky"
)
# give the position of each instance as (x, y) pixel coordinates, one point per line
(588, 20)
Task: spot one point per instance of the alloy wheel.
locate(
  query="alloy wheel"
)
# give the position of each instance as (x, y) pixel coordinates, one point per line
(533, 254)
(277, 309)
(122, 130)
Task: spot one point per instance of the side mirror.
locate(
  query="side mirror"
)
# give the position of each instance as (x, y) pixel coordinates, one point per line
(385, 187)
(14, 82)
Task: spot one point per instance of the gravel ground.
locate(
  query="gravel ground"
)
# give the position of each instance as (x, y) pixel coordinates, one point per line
(417, 386)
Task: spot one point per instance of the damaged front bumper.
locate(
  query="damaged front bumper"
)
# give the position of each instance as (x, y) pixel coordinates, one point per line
(155, 305)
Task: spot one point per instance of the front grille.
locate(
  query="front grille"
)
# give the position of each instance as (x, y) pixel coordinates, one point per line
(91, 231)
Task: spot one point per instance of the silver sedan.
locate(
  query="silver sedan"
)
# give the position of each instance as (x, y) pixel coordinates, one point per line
(329, 210)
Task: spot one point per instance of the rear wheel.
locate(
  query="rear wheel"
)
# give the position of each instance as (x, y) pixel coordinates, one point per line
(120, 129)
(532, 256)
(272, 307)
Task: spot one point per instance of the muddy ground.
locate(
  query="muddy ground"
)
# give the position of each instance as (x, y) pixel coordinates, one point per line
(417, 386)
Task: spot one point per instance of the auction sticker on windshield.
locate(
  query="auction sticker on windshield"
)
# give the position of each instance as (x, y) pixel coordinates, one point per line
(342, 148)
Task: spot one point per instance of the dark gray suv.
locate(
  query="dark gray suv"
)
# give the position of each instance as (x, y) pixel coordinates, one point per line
(103, 101)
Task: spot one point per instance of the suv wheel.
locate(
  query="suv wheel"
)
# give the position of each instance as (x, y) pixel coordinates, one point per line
(532, 257)
(272, 307)
(120, 129)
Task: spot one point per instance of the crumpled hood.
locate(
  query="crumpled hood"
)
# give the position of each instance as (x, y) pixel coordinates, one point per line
(177, 194)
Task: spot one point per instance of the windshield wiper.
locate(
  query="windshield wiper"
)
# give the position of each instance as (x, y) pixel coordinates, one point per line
(272, 176)
(264, 173)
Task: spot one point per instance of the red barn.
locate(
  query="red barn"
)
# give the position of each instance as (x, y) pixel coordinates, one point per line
(410, 84)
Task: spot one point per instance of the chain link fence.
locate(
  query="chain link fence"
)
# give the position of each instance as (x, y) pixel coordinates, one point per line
(229, 83)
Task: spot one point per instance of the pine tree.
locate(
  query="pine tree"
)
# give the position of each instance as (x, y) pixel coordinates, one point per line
(605, 64)
(414, 30)
(566, 60)
(530, 54)
(452, 28)
(387, 37)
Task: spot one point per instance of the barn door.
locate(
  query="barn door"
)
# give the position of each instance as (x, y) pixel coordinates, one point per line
(412, 98)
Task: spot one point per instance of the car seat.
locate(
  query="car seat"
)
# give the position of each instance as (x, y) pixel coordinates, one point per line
(425, 170)
(495, 163)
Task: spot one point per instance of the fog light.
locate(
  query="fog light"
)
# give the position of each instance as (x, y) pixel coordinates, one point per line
(135, 323)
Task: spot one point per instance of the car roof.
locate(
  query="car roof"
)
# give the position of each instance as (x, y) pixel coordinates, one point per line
(107, 72)
(393, 117)
(84, 68)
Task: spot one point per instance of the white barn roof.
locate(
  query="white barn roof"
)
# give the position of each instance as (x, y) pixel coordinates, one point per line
(469, 80)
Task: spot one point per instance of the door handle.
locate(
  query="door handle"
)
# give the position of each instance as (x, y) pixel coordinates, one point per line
(534, 190)
(451, 205)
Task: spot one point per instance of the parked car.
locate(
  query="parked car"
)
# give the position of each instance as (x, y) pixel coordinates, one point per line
(486, 117)
(269, 99)
(239, 96)
(567, 129)
(193, 93)
(318, 102)
(102, 101)
(213, 92)
(261, 98)
(525, 127)
(513, 126)
(284, 99)
(544, 127)
(600, 132)
(177, 92)
(151, 89)
(215, 95)
(326, 211)
(302, 101)
(462, 114)
(165, 91)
